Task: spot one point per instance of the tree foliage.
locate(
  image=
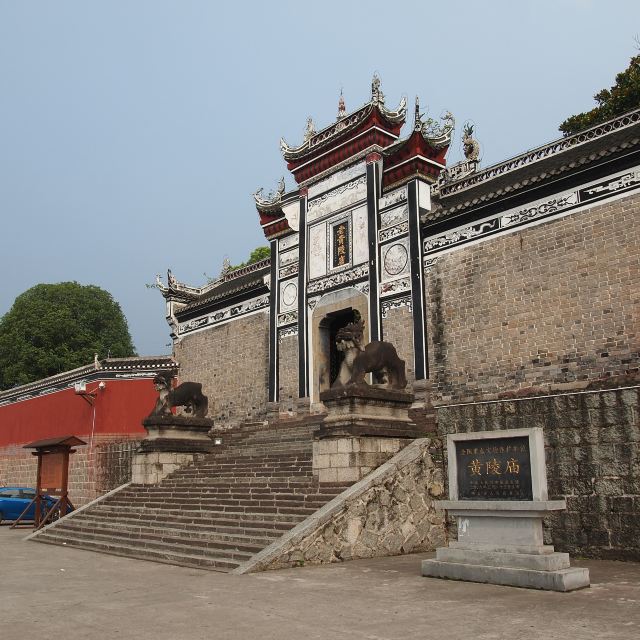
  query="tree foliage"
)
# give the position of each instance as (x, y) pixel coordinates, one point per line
(259, 253)
(56, 327)
(623, 96)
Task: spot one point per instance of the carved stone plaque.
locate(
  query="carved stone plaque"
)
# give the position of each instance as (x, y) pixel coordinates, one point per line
(494, 469)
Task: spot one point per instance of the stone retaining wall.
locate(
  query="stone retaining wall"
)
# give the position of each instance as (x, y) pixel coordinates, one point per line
(592, 448)
(390, 512)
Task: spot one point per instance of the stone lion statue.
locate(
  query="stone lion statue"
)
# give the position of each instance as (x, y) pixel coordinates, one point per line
(378, 357)
(188, 395)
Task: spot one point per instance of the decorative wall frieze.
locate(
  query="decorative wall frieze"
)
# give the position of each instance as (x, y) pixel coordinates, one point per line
(531, 213)
(337, 178)
(343, 196)
(396, 303)
(395, 286)
(337, 279)
(291, 270)
(288, 295)
(288, 257)
(429, 264)
(362, 287)
(562, 203)
(391, 198)
(224, 315)
(287, 318)
(394, 216)
(394, 258)
(286, 332)
(288, 242)
(393, 232)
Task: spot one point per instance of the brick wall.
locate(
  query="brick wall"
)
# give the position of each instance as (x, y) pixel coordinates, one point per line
(92, 472)
(288, 373)
(397, 328)
(592, 448)
(553, 304)
(232, 363)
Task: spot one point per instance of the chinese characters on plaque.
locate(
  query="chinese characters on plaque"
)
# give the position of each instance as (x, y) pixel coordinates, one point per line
(494, 469)
(341, 248)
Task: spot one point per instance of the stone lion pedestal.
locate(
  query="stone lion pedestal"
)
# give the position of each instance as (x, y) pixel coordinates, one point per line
(364, 426)
(172, 442)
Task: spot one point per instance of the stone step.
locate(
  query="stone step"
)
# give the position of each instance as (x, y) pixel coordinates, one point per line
(258, 537)
(167, 556)
(206, 498)
(235, 549)
(239, 493)
(285, 514)
(221, 525)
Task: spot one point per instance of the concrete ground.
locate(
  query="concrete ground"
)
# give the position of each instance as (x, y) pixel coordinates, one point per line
(58, 593)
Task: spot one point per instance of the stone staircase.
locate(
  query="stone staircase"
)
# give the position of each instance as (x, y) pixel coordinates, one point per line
(214, 514)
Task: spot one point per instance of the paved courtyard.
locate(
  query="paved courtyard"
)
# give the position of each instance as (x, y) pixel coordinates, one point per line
(54, 592)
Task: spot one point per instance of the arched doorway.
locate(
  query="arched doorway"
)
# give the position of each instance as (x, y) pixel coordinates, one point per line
(332, 312)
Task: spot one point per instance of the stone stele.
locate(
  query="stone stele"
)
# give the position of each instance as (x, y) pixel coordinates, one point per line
(500, 537)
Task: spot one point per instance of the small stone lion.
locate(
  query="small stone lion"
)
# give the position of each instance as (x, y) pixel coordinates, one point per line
(378, 357)
(188, 395)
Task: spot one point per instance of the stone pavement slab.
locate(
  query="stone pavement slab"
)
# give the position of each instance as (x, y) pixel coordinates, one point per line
(57, 593)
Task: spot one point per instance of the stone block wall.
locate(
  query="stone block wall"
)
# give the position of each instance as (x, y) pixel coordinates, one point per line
(232, 363)
(397, 328)
(390, 512)
(554, 304)
(349, 459)
(288, 374)
(92, 471)
(592, 448)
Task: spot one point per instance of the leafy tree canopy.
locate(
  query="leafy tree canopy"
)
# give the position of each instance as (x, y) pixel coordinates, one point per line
(259, 253)
(56, 327)
(623, 96)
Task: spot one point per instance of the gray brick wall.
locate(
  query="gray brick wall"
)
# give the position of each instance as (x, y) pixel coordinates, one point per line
(553, 304)
(232, 363)
(397, 328)
(288, 373)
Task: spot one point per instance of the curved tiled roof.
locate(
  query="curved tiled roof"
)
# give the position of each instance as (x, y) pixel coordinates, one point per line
(538, 165)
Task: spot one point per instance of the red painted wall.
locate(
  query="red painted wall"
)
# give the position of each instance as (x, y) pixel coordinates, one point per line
(119, 409)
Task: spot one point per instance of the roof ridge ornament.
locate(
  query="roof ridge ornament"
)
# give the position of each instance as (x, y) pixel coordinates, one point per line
(274, 198)
(342, 109)
(377, 97)
(436, 134)
(470, 146)
(309, 130)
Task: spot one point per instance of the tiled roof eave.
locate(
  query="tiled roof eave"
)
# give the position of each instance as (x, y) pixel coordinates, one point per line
(484, 196)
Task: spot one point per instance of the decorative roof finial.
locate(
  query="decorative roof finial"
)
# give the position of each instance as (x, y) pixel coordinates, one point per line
(226, 265)
(417, 120)
(342, 110)
(309, 130)
(376, 95)
(470, 146)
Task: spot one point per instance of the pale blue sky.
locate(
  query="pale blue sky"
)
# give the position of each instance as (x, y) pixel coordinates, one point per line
(132, 133)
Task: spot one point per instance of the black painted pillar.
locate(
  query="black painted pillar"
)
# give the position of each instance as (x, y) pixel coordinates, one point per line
(373, 193)
(273, 325)
(417, 281)
(303, 356)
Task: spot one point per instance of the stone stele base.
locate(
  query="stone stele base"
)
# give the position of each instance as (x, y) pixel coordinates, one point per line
(173, 442)
(501, 542)
(363, 428)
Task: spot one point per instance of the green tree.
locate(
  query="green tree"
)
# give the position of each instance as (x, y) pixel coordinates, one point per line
(55, 327)
(623, 96)
(259, 253)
